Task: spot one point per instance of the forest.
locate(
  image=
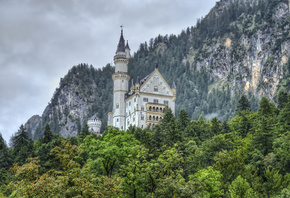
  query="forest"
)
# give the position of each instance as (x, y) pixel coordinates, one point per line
(248, 156)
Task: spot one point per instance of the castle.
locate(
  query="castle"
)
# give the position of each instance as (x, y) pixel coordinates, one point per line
(144, 103)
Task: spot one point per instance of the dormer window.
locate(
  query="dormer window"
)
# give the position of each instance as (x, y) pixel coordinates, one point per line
(155, 88)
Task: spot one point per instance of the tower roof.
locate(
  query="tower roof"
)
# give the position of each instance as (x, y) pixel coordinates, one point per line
(121, 44)
(127, 45)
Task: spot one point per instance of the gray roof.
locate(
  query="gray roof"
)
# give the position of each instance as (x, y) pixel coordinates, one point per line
(121, 45)
(94, 117)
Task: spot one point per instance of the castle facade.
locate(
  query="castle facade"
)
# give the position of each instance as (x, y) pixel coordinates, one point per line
(144, 103)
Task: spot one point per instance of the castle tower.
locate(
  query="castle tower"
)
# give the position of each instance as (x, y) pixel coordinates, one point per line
(120, 78)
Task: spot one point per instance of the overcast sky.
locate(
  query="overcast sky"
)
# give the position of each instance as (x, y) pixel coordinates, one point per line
(40, 40)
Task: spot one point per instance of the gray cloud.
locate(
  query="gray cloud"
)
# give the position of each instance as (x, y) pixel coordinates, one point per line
(41, 40)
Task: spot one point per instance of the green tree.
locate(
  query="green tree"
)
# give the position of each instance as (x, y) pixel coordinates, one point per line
(182, 121)
(110, 152)
(281, 147)
(240, 188)
(168, 128)
(22, 145)
(243, 104)
(5, 155)
(215, 126)
(47, 135)
(85, 131)
(212, 180)
(282, 98)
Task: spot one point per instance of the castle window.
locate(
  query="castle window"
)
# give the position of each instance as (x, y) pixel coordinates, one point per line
(153, 117)
(155, 88)
(150, 108)
(142, 117)
(150, 118)
(117, 106)
(145, 99)
(160, 109)
(130, 103)
(153, 108)
(117, 120)
(157, 118)
(155, 101)
(166, 102)
(142, 108)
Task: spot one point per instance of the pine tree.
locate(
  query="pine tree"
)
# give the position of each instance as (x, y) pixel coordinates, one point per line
(243, 104)
(85, 131)
(182, 121)
(5, 156)
(282, 98)
(47, 135)
(22, 145)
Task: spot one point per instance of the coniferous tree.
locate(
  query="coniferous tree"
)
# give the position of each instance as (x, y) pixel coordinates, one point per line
(5, 156)
(182, 120)
(85, 131)
(243, 104)
(22, 145)
(282, 98)
(47, 135)
(168, 128)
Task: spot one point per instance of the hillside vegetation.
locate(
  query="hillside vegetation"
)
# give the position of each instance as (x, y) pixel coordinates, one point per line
(245, 157)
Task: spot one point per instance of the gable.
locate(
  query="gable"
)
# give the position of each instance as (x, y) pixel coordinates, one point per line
(155, 84)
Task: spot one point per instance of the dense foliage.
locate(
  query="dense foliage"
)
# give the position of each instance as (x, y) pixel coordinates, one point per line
(245, 157)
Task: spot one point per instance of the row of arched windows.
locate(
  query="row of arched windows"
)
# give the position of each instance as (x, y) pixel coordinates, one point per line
(155, 118)
(156, 109)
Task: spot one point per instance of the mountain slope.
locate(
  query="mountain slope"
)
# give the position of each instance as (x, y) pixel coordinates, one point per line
(240, 47)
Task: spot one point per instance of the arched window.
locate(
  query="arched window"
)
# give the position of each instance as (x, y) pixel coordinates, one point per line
(153, 117)
(157, 109)
(160, 109)
(153, 108)
(150, 118)
(157, 118)
(150, 108)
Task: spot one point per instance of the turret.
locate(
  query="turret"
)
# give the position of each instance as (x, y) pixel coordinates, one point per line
(127, 50)
(121, 79)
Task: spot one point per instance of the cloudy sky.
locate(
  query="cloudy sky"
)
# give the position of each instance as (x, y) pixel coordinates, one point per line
(40, 40)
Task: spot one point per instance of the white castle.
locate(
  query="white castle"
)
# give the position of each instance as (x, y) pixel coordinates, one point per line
(144, 103)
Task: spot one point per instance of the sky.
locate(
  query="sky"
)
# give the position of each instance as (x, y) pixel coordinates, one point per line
(40, 40)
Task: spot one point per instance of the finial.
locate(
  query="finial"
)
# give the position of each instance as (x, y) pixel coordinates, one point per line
(121, 26)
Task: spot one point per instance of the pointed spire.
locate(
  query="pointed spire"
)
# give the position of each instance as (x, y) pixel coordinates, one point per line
(173, 86)
(127, 46)
(121, 44)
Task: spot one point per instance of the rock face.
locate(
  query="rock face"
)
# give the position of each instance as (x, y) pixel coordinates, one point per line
(255, 61)
(32, 124)
(81, 94)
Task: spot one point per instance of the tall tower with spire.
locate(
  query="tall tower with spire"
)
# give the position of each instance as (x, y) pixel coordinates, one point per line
(121, 78)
